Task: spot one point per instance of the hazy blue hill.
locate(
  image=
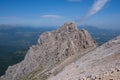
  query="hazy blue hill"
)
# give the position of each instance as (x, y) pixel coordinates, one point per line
(101, 35)
(16, 35)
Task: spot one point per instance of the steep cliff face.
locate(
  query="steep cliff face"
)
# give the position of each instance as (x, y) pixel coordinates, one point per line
(103, 63)
(52, 49)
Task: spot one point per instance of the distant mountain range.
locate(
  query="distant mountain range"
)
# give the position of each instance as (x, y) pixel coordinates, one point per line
(12, 35)
(101, 35)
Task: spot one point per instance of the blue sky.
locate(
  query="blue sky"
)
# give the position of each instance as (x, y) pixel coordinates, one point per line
(56, 12)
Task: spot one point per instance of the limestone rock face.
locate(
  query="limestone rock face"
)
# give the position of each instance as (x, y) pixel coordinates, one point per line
(102, 63)
(52, 48)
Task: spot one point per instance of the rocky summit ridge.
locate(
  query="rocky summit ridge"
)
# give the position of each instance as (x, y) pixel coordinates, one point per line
(53, 48)
(102, 63)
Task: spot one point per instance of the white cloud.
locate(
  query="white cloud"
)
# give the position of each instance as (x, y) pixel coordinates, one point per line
(97, 6)
(51, 16)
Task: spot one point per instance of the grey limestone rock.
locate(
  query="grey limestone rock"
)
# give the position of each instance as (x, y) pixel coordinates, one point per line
(52, 48)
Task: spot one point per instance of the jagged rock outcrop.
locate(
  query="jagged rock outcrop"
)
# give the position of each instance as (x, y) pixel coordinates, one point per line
(52, 48)
(103, 63)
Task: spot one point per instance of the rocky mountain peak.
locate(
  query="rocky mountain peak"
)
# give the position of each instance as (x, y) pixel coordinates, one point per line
(69, 27)
(52, 48)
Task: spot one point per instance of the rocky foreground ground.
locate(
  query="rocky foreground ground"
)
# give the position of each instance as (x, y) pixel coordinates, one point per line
(103, 63)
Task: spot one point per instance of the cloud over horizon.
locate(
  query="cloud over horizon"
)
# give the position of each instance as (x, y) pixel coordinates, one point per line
(51, 16)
